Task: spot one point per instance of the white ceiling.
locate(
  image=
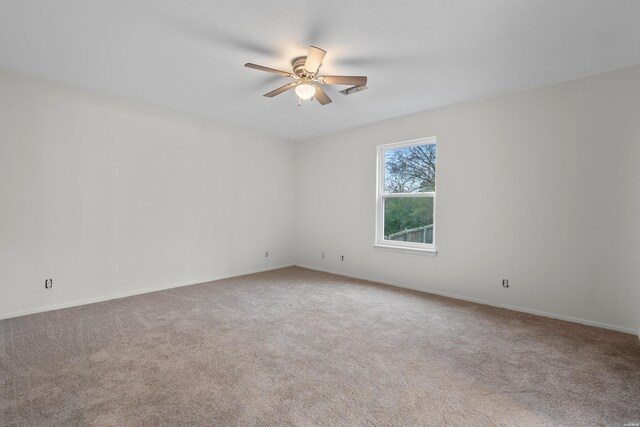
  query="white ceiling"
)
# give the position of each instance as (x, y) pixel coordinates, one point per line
(188, 55)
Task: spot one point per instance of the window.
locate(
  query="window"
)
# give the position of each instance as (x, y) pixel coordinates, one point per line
(406, 195)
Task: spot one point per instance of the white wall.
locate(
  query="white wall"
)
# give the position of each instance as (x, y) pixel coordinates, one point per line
(110, 197)
(541, 187)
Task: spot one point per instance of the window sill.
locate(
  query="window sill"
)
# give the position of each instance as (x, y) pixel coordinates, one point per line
(415, 251)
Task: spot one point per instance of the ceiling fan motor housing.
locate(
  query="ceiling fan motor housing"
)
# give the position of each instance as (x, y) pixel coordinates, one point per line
(298, 66)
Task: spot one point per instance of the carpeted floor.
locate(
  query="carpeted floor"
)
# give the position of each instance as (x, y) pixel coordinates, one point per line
(299, 347)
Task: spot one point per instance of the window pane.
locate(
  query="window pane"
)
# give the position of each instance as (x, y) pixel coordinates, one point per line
(408, 219)
(410, 169)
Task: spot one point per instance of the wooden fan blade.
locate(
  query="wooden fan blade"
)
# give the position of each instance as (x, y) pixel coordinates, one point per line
(321, 96)
(281, 89)
(344, 80)
(268, 70)
(314, 59)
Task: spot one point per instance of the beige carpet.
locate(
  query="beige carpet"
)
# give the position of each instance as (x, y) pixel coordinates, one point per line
(298, 347)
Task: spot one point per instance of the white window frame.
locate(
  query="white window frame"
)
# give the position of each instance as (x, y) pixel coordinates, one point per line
(425, 248)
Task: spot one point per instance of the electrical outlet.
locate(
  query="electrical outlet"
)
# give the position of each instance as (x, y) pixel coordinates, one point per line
(48, 283)
(341, 257)
(505, 283)
(266, 254)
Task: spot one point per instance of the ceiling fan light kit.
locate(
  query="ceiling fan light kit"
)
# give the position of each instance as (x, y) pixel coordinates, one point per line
(306, 84)
(304, 90)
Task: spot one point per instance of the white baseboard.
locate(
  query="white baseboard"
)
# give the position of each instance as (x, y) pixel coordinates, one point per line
(482, 301)
(131, 293)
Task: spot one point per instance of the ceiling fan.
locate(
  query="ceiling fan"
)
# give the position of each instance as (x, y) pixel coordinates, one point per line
(307, 80)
